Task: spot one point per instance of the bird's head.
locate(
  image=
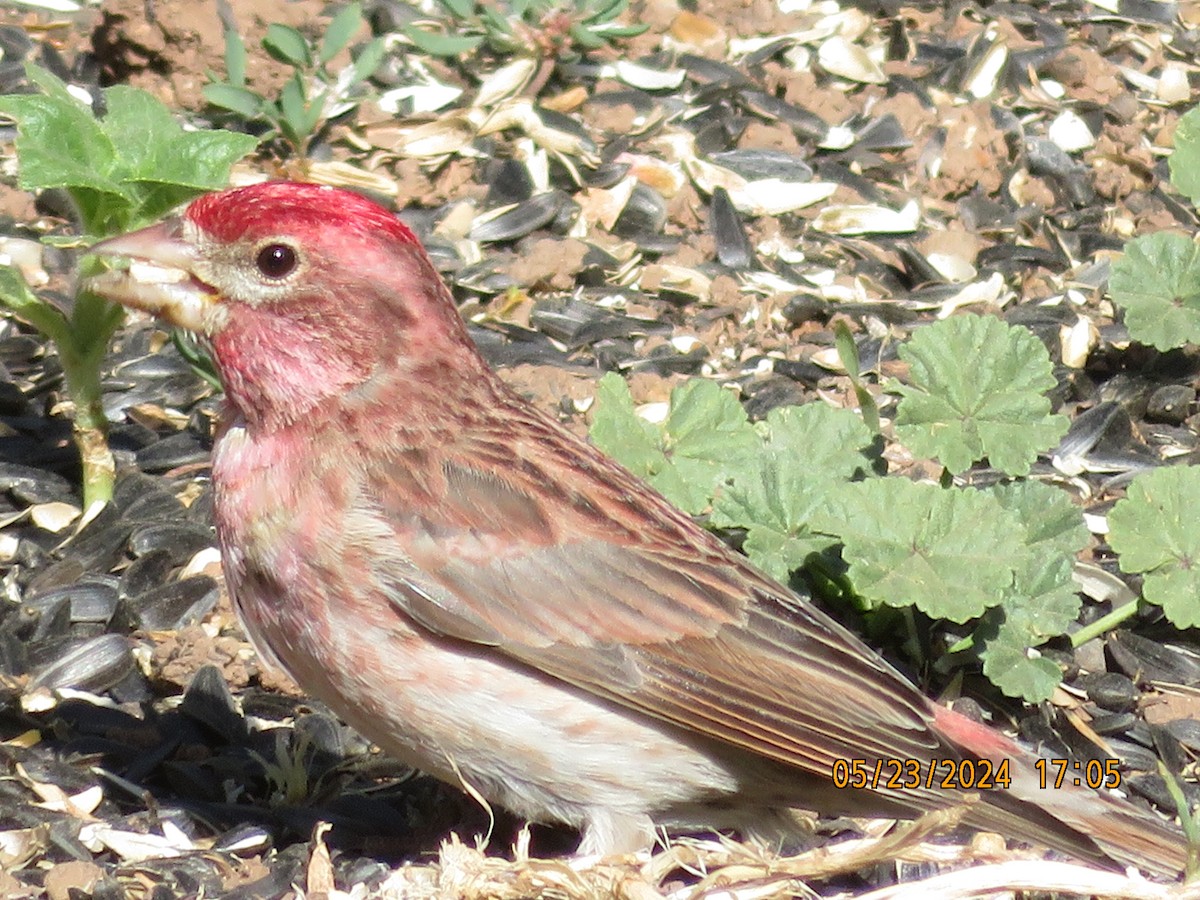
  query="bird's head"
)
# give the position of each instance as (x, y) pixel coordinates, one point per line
(303, 292)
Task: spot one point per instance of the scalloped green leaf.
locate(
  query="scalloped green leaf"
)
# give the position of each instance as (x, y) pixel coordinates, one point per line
(704, 439)
(1043, 601)
(947, 552)
(1018, 670)
(1157, 283)
(1153, 529)
(977, 390)
(1053, 523)
(774, 501)
(1185, 161)
(620, 432)
(776, 492)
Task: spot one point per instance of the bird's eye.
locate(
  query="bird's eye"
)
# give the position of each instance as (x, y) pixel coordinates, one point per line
(276, 260)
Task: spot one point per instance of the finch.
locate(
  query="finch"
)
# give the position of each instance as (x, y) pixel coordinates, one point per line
(494, 601)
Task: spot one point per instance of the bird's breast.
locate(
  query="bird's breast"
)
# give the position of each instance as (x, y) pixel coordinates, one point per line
(276, 518)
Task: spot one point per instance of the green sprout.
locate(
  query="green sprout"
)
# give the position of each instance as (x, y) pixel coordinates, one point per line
(313, 94)
(121, 172)
(550, 31)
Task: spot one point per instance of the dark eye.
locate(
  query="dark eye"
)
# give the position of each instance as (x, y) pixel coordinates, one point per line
(276, 260)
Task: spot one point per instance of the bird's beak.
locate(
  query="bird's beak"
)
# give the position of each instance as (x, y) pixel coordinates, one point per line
(161, 276)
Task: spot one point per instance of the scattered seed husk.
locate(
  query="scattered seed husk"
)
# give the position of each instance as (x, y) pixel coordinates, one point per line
(865, 219)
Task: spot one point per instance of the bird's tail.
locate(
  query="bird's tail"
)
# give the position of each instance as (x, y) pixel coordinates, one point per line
(1064, 815)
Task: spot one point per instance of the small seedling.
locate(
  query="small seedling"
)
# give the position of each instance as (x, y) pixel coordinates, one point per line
(122, 172)
(313, 94)
(550, 31)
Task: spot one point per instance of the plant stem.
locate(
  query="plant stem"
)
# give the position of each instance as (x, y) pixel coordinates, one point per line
(82, 342)
(1189, 818)
(82, 372)
(94, 322)
(1104, 623)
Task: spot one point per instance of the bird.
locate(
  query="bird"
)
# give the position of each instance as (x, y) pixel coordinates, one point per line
(492, 600)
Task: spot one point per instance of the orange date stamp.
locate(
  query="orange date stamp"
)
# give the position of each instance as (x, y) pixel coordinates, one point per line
(1092, 773)
(911, 774)
(970, 774)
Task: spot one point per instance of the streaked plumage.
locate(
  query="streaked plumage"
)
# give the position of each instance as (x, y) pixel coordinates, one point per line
(492, 599)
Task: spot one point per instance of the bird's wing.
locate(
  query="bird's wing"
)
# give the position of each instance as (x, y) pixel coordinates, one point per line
(566, 562)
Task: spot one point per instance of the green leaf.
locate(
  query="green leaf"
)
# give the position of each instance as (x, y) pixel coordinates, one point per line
(51, 84)
(235, 59)
(240, 100)
(340, 32)
(706, 437)
(437, 44)
(947, 552)
(16, 294)
(1185, 161)
(609, 31)
(777, 491)
(774, 502)
(825, 442)
(584, 38)
(202, 159)
(201, 162)
(977, 390)
(369, 58)
(197, 357)
(848, 354)
(620, 432)
(1153, 529)
(1018, 670)
(152, 147)
(498, 25)
(1157, 282)
(287, 45)
(159, 164)
(294, 109)
(1043, 600)
(605, 11)
(314, 112)
(460, 9)
(60, 143)
(142, 131)
(1052, 523)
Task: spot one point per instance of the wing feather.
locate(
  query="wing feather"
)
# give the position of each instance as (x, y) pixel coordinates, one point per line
(621, 594)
